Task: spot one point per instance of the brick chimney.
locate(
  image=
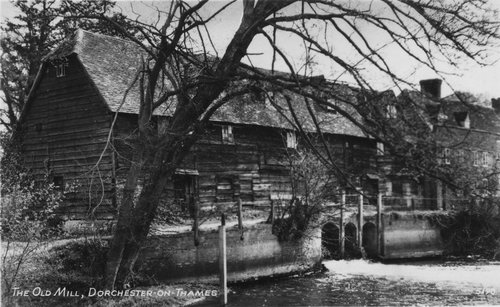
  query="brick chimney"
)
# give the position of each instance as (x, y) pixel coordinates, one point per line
(431, 87)
(495, 103)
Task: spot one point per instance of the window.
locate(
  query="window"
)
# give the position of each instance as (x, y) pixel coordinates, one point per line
(466, 123)
(476, 157)
(485, 157)
(446, 156)
(329, 107)
(61, 70)
(462, 119)
(391, 111)
(388, 188)
(380, 148)
(227, 134)
(291, 139)
(38, 127)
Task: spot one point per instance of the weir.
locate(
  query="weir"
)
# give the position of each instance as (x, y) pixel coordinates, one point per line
(401, 235)
(254, 251)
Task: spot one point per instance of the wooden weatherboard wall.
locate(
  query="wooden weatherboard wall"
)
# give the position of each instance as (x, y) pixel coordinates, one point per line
(243, 156)
(64, 132)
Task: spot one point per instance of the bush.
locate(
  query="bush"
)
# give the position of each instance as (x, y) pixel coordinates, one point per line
(28, 215)
(79, 264)
(472, 232)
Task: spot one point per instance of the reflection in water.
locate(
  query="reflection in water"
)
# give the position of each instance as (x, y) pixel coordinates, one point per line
(359, 282)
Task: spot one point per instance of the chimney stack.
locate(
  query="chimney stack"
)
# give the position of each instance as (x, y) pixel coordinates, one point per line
(495, 103)
(431, 87)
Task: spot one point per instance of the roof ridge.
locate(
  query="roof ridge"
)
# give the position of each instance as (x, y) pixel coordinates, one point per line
(103, 35)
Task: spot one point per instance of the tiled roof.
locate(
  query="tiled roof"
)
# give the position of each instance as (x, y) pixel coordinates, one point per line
(450, 110)
(112, 63)
(481, 117)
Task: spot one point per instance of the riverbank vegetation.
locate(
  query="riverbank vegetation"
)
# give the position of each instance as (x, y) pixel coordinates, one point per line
(474, 230)
(70, 272)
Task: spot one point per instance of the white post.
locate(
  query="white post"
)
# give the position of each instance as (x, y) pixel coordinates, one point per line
(341, 226)
(223, 262)
(379, 224)
(360, 219)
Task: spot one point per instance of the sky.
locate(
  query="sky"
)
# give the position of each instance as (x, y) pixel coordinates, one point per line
(469, 76)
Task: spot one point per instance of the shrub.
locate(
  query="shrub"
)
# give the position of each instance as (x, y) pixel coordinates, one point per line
(472, 231)
(28, 215)
(79, 264)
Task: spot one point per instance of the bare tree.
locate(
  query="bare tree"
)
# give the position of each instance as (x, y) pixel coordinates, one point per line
(177, 70)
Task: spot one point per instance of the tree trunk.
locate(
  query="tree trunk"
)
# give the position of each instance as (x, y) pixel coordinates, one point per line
(143, 216)
(134, 222)
(122, 230)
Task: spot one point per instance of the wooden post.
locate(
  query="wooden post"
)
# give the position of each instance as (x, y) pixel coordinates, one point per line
(223, 261)
(439, 195)
(240, 214)
(360, 219)
(379, 225)
(196, 221)
(272, 212)
(341, 226)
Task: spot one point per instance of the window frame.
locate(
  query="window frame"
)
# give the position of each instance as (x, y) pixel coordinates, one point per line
(227, 134)
(446, 153)
(485, 158)
(291, 140)
(61, 69)
(391, 111)
(476, 157)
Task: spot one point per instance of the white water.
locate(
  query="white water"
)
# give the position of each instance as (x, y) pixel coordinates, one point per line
(457, 276)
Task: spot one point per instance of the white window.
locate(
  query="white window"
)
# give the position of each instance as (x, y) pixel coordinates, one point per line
(485, 158)
(380, 148)
(227, 134)
(388, 188)
(330, 105)
(446, 156)
(477, 157)
(391, 111)
(291, 139)
(466, 123)
(61, 70)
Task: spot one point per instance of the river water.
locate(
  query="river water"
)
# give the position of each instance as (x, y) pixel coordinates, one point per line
(360, 282)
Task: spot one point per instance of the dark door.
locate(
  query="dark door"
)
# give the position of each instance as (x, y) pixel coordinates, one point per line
(184, 191)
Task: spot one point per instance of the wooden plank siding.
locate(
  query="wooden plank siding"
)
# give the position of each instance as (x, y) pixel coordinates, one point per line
(255, 168)
(64, 134)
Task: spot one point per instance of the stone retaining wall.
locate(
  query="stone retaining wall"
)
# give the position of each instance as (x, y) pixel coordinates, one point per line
(251, 253)
(410, 236)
